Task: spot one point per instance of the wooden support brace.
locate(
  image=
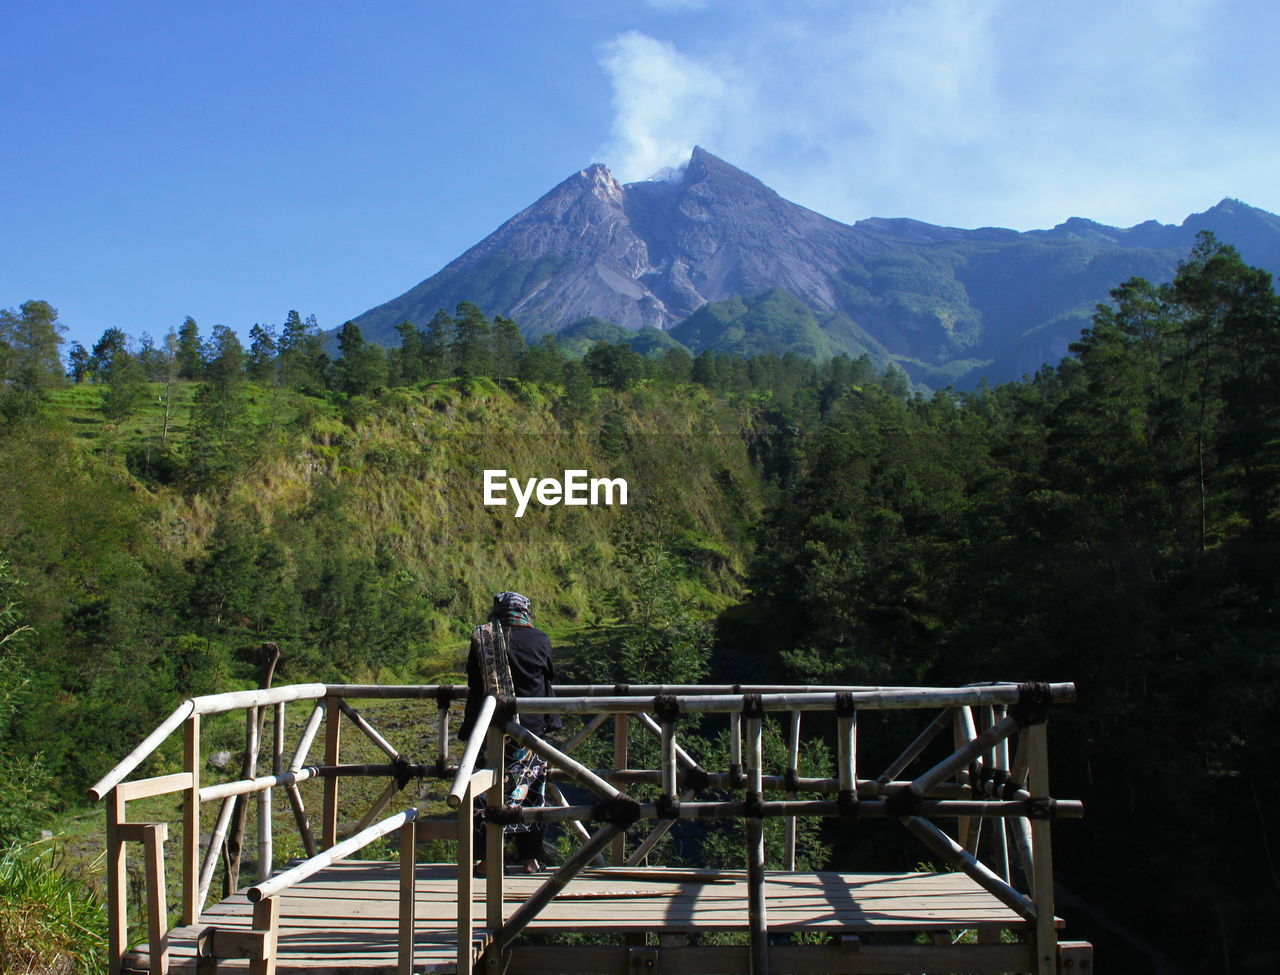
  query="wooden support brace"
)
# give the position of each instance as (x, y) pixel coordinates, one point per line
(408, 892)
(152, 836)
(117, 882)
(332, 745)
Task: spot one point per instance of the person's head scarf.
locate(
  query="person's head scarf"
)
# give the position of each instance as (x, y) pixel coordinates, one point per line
(511, 609)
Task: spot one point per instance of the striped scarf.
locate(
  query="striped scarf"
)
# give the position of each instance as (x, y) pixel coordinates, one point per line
(511, 609)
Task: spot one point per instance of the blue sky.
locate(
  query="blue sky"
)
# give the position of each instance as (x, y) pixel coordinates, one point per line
(231, 161)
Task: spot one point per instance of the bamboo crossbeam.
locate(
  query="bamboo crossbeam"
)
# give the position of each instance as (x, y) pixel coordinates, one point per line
(964, 755)
(867, 788)
(142, 752)
(867, 700)
(655, 835)
(539, 899)
(341, 850)
(584, 733)
(369, 731)
(467, 764)
(238, 787)
(876, 808)
(685, 758)
(912, 751)
(379, 804)
(308, 737)
(215, 850)
(457, 692)
(958, 856)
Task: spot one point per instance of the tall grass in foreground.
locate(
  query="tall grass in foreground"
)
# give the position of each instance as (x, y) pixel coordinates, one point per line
(51, 920)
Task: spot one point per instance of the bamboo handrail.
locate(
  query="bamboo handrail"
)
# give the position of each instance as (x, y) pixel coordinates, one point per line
(142, 752)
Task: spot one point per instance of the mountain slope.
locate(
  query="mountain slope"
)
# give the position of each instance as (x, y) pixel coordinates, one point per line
(951, 305)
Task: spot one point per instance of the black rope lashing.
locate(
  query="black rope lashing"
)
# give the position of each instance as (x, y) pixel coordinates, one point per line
(441, 768)
(752, 706)
(902, 802)
(667, 708)
(1034, 701)
(753, 808)
(736, 778)
(791, 781)
(505, 711)
(668, 806)
(844, 704)
(403, 773)
(847, 802)
(620, 811)
(621, 690)
(1042, 808)
(696, 779)
(503, 815)
(444, 694)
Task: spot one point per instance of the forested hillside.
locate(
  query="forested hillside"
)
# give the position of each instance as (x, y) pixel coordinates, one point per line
(166, 507)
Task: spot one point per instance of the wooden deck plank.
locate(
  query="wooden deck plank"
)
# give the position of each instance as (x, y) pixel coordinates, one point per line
(345, 918)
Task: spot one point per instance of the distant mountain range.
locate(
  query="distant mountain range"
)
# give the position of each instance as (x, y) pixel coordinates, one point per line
(714, 259)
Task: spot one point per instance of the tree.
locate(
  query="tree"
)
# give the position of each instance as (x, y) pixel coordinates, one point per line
(435, 345)
(220, 415)
(30, 339)
(111, 347)
(508, 349)
(363, 366)
(407, 365)
(471, 348)
(616, 366)
(263, 350)
(190, 350)
(125, 387)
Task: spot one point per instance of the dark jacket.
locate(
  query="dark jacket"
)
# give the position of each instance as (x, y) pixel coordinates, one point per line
(529, 655)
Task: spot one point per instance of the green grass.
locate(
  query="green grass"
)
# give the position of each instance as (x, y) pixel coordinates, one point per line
(51, 920)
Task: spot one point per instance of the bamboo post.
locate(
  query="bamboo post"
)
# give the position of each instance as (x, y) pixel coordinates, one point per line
(621, 726)
(1042, 851)
(266, 844)
(757, 912)
(963, 732)
(442, 734)
(493, 837)
(1001, 827)
(191, 821)
(793, 765)
(117, 877)
(408, 893)
(332, 747)
(248, 770)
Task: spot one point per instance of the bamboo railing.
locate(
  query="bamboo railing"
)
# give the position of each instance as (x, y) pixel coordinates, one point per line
(974, 784)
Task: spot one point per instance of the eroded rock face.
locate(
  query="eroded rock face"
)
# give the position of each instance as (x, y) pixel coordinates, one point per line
(647, 253)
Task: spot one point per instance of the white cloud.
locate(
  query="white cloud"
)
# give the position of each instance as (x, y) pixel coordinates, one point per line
(664, 104)
(963, 111)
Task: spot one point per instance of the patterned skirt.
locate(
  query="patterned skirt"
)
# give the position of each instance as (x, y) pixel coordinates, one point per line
(524, 784)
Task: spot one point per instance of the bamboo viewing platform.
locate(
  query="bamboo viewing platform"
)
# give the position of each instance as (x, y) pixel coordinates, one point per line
(983, 808)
